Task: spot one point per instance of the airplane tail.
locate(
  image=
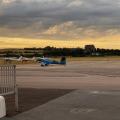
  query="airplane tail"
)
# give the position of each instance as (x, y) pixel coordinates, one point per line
(20, 58)
(63, 61)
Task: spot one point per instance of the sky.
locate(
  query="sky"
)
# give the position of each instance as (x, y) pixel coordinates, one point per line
(59, 23)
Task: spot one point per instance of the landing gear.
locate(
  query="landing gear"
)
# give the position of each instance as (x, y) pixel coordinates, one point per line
(43, 64)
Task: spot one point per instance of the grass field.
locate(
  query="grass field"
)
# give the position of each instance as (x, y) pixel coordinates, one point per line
(108, 58)
(17, 62)
(69, 59)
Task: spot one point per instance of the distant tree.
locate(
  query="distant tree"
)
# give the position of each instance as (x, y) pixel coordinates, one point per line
(90, 49)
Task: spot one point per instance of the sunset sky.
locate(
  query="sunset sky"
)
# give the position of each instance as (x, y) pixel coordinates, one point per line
(59, 23)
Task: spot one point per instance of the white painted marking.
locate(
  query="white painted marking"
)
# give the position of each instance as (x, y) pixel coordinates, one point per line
(82, 110)
(105, 92)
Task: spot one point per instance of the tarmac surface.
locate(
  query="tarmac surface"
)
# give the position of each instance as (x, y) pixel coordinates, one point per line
(97, 96)
(75, 75)
(78, 105)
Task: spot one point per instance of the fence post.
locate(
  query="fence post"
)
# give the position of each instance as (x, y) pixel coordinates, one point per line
(16, 99)
(16, 90)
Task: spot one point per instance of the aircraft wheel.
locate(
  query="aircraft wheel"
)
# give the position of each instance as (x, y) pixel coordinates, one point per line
(42, 64)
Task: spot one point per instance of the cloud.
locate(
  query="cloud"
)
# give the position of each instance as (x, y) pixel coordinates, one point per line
(60, 29)
(75, 3)
(7, 2)
(68, 30)
(72, 31)
(59, 18)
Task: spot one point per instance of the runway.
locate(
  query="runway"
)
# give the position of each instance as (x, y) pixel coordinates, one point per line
(93, 75)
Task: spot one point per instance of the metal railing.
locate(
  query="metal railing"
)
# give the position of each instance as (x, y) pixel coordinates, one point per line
(8, 82)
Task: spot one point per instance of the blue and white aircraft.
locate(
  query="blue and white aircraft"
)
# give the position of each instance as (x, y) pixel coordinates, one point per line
(47, 61)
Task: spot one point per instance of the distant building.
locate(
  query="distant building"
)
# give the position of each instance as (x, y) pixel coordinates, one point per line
(90, 49)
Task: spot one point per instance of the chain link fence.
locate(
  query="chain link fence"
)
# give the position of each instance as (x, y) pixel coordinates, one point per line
(8, 82)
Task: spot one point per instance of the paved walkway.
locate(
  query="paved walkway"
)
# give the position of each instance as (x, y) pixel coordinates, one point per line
(78, 105)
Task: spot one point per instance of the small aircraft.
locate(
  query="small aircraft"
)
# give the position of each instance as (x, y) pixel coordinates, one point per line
(47, 61)
(27, 59)
(13, 58)
(21, 59)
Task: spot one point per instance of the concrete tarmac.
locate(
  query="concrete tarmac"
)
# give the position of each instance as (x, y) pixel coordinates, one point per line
(78, 105)
(75, 75)
(97, 96)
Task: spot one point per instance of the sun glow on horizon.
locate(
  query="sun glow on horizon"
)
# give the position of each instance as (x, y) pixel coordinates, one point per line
(104, 42)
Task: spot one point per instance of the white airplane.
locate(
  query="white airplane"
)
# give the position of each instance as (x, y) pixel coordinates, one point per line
(37, 59)
(27, 59)
(21, 58)
(12, 58)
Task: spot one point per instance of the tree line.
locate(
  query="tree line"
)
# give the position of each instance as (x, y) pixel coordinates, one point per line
(55, 52)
